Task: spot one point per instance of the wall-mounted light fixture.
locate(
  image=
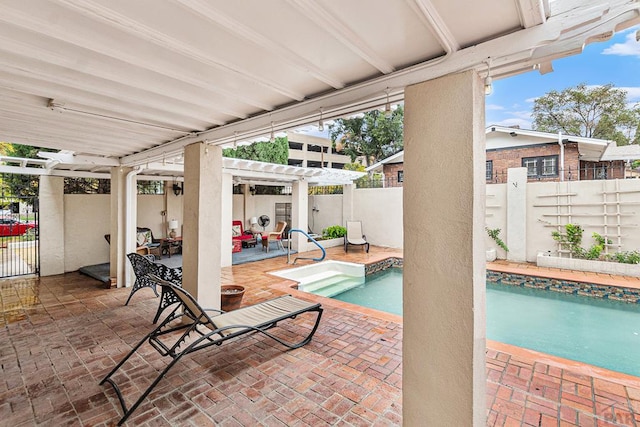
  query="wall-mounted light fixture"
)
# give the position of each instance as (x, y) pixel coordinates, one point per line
(178, 189)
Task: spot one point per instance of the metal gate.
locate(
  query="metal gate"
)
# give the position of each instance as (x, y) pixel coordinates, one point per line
(19, 231)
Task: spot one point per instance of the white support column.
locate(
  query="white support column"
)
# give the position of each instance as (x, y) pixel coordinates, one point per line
(348, 191)
(227, 213)
(203, 206)
(517, 214)
(51, 225)
(305, 154)
(444, 267)
(299, 214)
(118, 229)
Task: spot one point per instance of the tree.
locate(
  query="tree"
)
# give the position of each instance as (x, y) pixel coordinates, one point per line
(270, 152)
(16, 185)
(593, 112)
(372, 135)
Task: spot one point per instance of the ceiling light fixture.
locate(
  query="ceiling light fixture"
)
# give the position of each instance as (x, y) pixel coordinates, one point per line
(488, 81)
(387, 106)
(321, 122)
(272, 137)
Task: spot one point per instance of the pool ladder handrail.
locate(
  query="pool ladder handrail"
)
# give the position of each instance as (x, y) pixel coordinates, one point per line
(297, 230)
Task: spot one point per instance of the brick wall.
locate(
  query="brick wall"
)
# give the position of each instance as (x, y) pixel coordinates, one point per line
(591, 170)
(504, 159)
(390, 172)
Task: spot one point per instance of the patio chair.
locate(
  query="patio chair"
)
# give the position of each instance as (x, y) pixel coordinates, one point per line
(143, 266)
(274, 236)
(189, 328)
(144, 237)
(355, 236)
(167, 296)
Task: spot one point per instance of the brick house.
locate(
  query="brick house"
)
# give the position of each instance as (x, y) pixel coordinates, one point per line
(551, 156)
(547, 157)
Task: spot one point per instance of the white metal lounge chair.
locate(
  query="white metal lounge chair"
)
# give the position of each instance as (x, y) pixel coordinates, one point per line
(191, 329)
(355, 236)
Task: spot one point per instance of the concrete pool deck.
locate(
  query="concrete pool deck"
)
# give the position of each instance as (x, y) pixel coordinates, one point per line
(61, 334)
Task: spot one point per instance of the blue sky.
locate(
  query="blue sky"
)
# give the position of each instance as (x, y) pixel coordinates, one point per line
(616, 61)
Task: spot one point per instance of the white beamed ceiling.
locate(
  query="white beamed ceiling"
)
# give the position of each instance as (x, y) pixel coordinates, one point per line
(138, 80)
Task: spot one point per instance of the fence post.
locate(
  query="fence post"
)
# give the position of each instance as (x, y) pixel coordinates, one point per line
(517, 214)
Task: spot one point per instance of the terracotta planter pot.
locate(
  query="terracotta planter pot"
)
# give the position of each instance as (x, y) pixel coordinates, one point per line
(231, 297)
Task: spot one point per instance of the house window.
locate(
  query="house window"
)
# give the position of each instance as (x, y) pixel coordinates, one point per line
(541, 167)
(489, 172)
(549, 166)
(400, 176)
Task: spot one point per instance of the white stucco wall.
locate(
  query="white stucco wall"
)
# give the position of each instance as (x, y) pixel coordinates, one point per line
(150, 208)
(266, 205)
(496, 216)
(329, 212)
(86, 221)
(380, 210)
(586, 198)
(237, 213)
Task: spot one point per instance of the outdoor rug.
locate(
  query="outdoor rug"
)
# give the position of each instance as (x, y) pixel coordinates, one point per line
(97, 271)
(257, 254)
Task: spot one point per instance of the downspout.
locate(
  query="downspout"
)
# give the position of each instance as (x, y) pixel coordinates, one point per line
(561, 156)
(130, 231)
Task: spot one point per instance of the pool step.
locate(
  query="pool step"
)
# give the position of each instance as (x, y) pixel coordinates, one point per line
(331, 284)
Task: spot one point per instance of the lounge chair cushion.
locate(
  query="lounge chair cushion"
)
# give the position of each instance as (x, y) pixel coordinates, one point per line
(259, 314)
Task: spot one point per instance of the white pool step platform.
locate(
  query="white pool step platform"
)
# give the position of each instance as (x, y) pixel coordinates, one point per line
(330, 283)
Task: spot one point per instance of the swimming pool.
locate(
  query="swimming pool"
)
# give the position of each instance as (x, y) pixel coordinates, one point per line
(596, 331)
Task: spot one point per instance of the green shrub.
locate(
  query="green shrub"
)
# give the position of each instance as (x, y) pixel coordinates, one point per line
(495, 235)
(572, 240)
(627, 257)
(334, 232)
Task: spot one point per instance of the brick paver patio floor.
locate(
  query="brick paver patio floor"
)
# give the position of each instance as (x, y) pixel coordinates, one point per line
(61, 334)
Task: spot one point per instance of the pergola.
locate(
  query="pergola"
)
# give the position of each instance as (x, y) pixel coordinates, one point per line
(144, 82)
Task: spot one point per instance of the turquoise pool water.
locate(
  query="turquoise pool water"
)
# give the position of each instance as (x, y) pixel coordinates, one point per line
(382, 291)
(598, 332)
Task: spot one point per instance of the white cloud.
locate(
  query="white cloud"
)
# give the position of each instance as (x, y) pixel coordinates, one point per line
(524, 115)
(630, 47)
(524, 124)
(633, 92)
(531, 100)
(494, 107)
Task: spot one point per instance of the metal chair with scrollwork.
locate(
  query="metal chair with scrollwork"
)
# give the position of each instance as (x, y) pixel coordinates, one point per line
(168, 296)
(142, 266)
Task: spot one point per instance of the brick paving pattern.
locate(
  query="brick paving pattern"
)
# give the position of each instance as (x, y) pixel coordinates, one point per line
(62, 334)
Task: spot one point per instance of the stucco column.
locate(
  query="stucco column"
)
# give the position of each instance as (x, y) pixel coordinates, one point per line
(299, 214)
(348, 191)
(444, 269)
(227, 213)
(203, 207)
(120, 214)
(51, 225)
(517, 214)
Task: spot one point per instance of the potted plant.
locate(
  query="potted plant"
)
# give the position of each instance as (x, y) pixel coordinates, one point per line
(231, 297)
